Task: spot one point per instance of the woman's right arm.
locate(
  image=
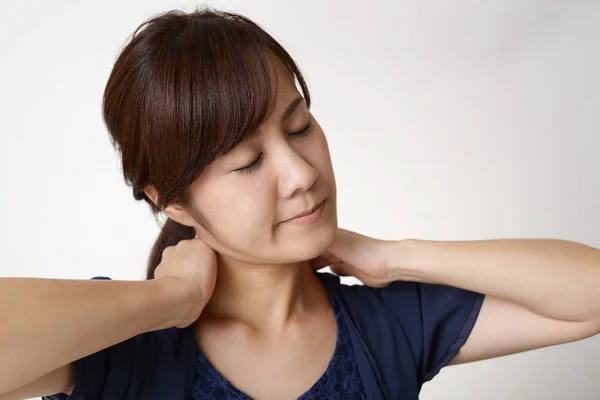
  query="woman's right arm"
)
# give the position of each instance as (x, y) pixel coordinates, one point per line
(46, 324)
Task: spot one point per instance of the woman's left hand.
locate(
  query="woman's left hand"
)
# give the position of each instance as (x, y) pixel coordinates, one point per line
(362, 257)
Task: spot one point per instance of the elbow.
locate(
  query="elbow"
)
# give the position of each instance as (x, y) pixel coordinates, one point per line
(5, 387)
(596, 327)
(590, 328)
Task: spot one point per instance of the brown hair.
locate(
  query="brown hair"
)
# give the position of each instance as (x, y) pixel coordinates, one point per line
(185, 90)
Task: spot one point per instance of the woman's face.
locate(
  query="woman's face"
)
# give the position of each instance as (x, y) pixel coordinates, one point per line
(250, 196)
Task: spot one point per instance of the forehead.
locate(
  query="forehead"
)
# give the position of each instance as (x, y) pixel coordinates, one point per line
(285, 99)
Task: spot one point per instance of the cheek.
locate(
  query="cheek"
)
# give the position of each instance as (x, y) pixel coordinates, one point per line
(240, 218)
(321, 158)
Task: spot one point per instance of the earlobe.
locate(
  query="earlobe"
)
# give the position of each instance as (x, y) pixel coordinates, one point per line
(175, 212)
(180, 215)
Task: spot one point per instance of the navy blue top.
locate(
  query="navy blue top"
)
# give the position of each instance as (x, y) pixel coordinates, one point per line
(400, 336)
(341, 379)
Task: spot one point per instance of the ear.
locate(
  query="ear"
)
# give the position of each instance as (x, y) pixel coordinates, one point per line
(151, 193)
(175, 212)
(179, 214)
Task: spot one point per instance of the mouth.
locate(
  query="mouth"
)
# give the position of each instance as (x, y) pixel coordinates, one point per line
(309, 216)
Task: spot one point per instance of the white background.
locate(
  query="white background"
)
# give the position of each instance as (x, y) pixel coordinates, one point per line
(446, 120)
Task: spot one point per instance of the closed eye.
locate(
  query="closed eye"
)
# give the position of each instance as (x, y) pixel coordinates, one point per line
(304, 130)
(258, 161)
(252, 166)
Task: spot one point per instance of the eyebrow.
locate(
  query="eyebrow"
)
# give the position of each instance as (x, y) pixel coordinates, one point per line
(291, 108)
(286, 114)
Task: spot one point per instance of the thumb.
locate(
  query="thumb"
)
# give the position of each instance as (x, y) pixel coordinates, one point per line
(347, 247)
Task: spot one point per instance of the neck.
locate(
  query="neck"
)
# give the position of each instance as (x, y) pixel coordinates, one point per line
(264, 296)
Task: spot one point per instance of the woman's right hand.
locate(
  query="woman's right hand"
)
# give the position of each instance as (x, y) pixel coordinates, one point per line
(193, 265)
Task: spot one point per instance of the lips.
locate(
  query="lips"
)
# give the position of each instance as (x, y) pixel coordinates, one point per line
(307, 212)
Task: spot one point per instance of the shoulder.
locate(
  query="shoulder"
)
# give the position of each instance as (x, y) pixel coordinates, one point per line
(374, 313)
(409, 302)
(152, 365)
(367, 302)
(157, 362)
(156, 365)
(426, 322)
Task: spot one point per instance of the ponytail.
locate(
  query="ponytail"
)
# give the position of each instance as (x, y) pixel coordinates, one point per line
(171, 233)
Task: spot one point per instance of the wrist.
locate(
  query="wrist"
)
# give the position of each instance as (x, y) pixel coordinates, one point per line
(181, 302)
(406, 260)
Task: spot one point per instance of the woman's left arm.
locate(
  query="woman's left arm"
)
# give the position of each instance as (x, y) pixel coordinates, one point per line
(539, 293)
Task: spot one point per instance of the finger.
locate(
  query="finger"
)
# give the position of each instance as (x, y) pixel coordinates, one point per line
(319, 265)
(329, 258)
(339, 270)
(325, 260)
(319, 262)
(345, 245)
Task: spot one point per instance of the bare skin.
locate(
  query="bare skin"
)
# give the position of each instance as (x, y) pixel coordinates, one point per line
(261, 315)
(269, 319)
(266, 300)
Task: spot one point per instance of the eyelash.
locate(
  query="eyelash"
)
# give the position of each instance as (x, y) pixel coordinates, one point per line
(256, 163)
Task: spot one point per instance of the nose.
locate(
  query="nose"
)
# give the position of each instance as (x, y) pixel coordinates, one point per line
(296, 174)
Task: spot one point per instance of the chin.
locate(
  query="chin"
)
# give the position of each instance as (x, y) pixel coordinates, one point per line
(305, 242)
(327, 232)
(316, 243)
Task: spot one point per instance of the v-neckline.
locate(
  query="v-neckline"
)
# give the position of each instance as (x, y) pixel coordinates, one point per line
(200, 357)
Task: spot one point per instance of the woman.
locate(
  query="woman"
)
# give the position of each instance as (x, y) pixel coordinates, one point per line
(212, 120)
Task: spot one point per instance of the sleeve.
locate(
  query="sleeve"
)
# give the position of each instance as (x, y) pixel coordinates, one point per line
(102, 375)
(436, 320)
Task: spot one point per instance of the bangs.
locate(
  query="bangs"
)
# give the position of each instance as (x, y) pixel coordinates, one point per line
(218, 84)
(186, 91)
